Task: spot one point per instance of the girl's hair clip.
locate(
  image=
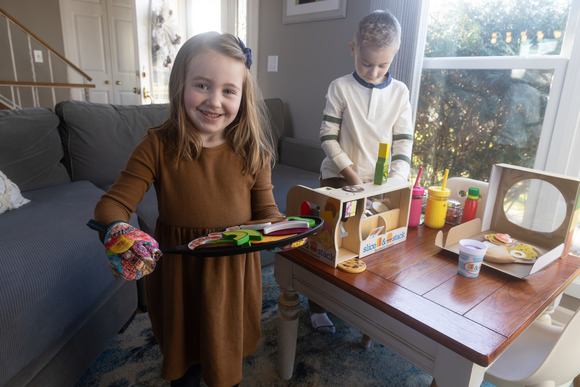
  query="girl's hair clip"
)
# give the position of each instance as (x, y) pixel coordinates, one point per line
(247, 52)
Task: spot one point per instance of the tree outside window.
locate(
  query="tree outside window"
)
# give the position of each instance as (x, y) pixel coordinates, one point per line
(491, 71)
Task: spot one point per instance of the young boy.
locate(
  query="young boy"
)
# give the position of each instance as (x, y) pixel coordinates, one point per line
(362, 110)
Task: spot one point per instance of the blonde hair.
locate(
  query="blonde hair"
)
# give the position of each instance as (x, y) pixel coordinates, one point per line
(379, 28)
(250, 134)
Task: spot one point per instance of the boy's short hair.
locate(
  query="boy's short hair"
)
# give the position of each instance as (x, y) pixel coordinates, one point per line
(379, 28)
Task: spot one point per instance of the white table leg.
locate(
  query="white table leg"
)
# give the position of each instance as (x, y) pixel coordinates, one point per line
(453, 370)
(288, 309)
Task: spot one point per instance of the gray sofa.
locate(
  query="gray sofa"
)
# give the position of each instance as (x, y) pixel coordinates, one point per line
(59, 303)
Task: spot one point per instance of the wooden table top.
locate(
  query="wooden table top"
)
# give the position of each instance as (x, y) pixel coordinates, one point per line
(417, 283)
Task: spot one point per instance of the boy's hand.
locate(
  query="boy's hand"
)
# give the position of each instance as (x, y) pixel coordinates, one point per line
(351, 176)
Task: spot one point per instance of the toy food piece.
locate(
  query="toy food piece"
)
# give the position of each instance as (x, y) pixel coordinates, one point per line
(311, 222)
(523, 251)
(498, 254)
(378, 207)
(290, 224)
(353, 265)
(289, 231)
(255, 226)
(306, 208)
(272, 238)
(520, 253)
(499, 239)
(242, 236)
(353, 188)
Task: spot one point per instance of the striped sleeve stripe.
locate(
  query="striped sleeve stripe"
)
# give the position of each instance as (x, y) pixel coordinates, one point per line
(398, 137)
(402, 158)
(329, 137)
(332, 119)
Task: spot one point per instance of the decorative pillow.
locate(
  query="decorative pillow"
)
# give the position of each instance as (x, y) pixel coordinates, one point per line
(10, 197)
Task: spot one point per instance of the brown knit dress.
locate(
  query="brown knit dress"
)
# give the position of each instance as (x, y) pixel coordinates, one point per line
(203, 310)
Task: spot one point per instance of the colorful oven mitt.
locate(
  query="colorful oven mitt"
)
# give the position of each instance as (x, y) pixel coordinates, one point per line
(131, 252)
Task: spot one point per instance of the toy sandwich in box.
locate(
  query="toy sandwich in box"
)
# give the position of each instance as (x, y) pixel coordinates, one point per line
(358, 220)
(528, 221)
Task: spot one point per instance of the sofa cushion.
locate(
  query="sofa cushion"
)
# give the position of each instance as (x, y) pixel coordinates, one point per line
(285, 177)
(276, 114)
(300, 154)
(47, 253)
(30, 148)
(99, 138)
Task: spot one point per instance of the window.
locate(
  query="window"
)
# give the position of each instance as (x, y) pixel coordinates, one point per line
(493, 73)
(202, 16)
(174, 21)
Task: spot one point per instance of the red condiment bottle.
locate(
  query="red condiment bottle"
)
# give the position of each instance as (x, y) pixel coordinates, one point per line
(470, 207)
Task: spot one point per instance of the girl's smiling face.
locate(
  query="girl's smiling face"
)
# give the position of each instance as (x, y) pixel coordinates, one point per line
(213, 94)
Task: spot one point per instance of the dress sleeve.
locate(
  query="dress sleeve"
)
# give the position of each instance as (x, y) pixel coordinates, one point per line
(402, 147)
(122, 198)
(330, 128)
(263, 203)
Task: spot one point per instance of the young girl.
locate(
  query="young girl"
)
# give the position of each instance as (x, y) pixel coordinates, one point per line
(210, 163)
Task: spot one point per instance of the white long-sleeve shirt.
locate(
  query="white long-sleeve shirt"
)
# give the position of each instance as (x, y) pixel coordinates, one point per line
(357, 117)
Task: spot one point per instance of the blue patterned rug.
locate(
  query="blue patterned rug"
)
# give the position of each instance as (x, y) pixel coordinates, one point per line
(133, 357)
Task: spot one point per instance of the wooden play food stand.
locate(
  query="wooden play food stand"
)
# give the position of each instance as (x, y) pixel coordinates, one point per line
(358, 220)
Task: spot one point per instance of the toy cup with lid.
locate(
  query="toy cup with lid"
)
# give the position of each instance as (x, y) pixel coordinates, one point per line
(416, 206)
(436, 209)
(471, 253)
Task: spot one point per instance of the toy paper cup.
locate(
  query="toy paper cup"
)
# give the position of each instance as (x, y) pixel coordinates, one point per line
(471, 254)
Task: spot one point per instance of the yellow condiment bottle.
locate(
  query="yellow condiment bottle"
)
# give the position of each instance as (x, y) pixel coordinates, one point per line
(436, 209)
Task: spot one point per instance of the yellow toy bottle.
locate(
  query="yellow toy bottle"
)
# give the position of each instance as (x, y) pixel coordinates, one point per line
(436, 209)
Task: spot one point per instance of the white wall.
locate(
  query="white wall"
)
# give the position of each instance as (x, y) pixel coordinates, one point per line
(313, 54)
(43, 21)
(310, 56)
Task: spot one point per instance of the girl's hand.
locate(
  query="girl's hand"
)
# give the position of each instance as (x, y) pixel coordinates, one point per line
(131, 252)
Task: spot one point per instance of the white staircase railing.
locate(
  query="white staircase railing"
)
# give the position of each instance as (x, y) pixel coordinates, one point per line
(32, 82)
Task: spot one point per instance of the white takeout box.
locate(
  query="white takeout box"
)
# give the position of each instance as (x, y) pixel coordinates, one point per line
(542, 221)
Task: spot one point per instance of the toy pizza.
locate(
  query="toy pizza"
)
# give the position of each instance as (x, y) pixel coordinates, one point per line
(272, 235)
(506, 249)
